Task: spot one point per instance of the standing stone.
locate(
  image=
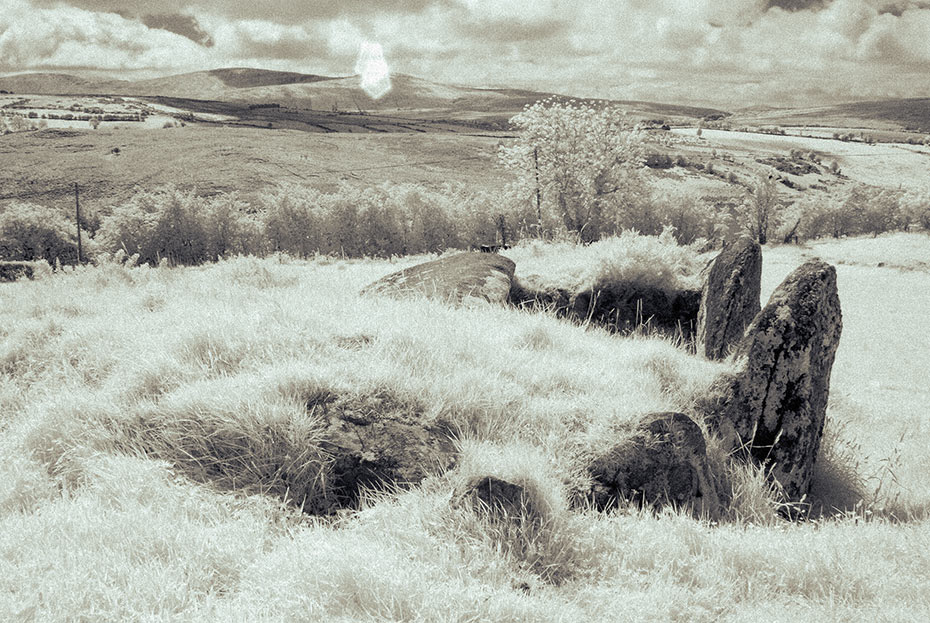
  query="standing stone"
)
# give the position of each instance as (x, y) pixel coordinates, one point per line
(456, 278)
(730, 298)
(775, 404)
(665, 462)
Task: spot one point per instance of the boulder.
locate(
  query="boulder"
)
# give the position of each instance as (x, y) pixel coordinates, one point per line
(374, 441)
(618, 307)
(730, 297)
(664, 462)
(455, 278)
(775, 404)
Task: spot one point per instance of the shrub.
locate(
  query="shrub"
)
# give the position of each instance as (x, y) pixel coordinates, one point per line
(292, 220)
(760, 211)
(429, 219)
(165, 223)
(691, 218)
(363, 223)
(874, 210)
(229, 229)
(915, 208)
(32, 232)
(863, 210)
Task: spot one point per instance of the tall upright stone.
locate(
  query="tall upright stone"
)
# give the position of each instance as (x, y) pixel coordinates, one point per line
(730, 298)
(775, 404)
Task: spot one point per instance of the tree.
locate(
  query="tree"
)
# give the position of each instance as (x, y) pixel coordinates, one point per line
(580, 161)
(760, 209)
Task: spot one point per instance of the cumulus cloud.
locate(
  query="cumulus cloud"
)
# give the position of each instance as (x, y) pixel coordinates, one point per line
(70, 37)
(286, 11)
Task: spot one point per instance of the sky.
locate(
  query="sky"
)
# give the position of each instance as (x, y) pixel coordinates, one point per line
(724, 53)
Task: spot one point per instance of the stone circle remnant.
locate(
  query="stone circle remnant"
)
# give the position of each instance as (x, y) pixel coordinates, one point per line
(775, 404)
(663, 462)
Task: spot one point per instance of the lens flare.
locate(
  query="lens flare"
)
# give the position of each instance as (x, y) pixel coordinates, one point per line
(373, 69)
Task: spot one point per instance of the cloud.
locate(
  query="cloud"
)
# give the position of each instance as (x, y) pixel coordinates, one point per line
(184, 25)
(722, 52)
(286, 11)
(69, 37)
(797, 5)
(261, 39)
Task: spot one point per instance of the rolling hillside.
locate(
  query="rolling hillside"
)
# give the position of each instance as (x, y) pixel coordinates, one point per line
(423, 98)
(257, 86)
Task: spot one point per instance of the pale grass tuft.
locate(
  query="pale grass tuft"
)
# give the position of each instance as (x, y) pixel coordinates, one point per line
(651, 261)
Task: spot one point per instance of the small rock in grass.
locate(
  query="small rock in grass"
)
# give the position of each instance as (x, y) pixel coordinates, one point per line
(376, 440)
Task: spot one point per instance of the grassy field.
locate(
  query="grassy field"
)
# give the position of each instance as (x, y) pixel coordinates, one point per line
(109, 164)
(324, 149)
(122, 390)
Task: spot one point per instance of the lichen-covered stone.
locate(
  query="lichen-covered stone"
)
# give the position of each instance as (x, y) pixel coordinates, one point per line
(665, 462)
(730, 298)
(458, 278)
(775, 404)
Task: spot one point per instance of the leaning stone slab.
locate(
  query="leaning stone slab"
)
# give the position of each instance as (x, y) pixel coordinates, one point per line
(775, 404)
(665, 462)
(455, 278)
(730, 298)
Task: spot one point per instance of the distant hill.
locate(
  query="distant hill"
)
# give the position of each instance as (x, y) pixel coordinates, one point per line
(242, 77)
(912, 113)
(905, 114)
(426, 99)
(257, 86)
(60, 84)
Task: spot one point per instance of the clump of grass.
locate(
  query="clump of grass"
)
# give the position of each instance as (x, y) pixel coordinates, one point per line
(26, 350)
(250, 271)
(649, 261)
(214, 434)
